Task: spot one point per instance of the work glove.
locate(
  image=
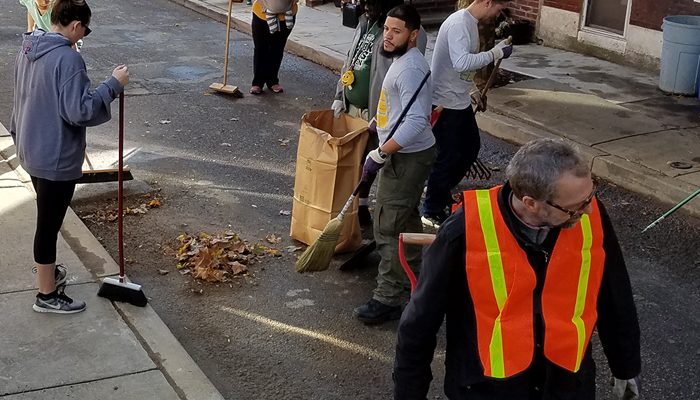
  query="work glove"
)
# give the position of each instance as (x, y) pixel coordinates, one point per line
(373, 163)
(338, 108)
(478, 101)
(502, 49)
(626, 389)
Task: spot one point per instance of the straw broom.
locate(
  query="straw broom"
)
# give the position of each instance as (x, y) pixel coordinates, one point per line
(317, 257)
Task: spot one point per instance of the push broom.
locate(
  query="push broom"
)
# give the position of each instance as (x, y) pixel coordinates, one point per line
(317, 257)
(224, 87)
(118, 289)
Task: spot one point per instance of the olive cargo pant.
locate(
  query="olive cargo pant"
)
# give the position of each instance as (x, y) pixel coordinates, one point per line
(399, 191)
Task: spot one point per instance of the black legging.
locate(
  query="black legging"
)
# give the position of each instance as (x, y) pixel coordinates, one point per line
(268, 51)
(52, 201)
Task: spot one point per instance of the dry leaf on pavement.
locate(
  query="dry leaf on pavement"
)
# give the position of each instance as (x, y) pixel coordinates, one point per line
(220, 257)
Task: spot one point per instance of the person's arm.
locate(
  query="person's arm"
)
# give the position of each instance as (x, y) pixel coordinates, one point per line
(459, 43)
(422, 318)
(417, 120)
(340, 89)
(80, 106)
(618, 327)
(30, 22)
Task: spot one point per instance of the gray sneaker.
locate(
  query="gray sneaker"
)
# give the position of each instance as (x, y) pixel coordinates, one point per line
(59, 304)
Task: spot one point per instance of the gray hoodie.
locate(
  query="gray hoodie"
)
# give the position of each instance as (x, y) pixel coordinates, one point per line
(52, 106)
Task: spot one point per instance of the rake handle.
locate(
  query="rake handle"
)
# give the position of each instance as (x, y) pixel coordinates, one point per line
(492, 77)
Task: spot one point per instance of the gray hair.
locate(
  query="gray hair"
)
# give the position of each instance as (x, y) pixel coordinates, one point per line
(538, 165)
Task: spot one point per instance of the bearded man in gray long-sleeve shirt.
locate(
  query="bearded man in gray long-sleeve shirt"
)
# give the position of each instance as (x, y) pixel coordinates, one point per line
(406, 159)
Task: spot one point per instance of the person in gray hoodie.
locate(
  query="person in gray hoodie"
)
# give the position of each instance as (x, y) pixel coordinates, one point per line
(368, 67)
(53, 105)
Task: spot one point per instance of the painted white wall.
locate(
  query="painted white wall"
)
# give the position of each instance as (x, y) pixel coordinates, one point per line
(645, 41)
(602, 40)
(557, 26)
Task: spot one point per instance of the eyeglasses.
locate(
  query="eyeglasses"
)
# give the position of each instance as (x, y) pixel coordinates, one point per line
(87, 29)
(581, 208)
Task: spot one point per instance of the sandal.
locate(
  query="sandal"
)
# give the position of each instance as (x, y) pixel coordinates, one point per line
(255, 89)
(277, 88)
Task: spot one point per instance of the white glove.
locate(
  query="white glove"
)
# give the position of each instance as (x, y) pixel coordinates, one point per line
(377, 156)
(338, 107)
(497, 50)
(626, 389)
(478, 101)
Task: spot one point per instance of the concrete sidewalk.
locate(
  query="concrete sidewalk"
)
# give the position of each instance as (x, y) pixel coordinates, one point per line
(634, 135)
(109, 351)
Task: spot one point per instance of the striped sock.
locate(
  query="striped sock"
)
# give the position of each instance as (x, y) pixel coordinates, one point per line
(272, 22)
(289, 19)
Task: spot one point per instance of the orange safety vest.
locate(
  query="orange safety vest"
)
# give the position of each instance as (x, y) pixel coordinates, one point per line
(501, 282)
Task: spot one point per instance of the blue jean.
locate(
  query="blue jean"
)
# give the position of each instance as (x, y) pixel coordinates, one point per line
(457, 141)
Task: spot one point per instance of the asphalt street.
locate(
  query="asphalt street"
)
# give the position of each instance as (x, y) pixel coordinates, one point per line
(220, 163)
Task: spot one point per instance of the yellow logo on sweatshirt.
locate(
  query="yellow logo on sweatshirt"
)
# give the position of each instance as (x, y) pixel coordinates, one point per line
(382, 110)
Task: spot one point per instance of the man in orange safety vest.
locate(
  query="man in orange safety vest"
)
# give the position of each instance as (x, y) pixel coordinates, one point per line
(523, 273)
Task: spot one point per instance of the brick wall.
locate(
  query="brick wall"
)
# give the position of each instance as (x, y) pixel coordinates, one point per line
(524, 9)
(650, 13)
(569, 5)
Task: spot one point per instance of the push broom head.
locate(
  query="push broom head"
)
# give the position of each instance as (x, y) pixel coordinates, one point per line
(317, 257)
(125, 292)
(226, 89)
(104, 175)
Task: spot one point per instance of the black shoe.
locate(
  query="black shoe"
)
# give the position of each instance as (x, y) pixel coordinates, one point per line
(375, 312)
(364, 215)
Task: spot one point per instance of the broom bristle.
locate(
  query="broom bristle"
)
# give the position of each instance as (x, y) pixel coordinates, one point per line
(317, 257)
(125, 292)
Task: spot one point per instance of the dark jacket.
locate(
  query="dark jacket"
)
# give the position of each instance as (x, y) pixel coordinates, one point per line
(52, 106)
(378, 67)
(442, 292)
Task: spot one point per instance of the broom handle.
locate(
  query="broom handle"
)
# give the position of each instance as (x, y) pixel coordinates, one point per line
(228, 35)
(120, 191)
(674, 209)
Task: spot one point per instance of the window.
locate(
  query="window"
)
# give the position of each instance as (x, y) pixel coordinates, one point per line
(609, 15)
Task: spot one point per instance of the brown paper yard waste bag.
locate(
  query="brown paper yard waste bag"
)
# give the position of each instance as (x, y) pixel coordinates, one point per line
(327, 171)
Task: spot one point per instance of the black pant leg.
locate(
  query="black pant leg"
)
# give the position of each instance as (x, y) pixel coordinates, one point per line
(261, 51)
(458, 142)
(52, 201)
(277, 42)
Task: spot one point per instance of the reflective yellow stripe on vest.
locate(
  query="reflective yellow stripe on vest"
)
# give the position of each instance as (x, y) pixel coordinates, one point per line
(585, 224)
(498, 279)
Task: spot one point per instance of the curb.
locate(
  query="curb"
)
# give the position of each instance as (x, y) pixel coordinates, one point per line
(173, 361)
(618, 170)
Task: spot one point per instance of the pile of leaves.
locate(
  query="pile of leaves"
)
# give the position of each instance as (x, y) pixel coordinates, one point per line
(220, 257)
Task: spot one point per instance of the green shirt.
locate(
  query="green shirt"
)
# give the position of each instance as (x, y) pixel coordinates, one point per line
(42, 22)
(358, 93)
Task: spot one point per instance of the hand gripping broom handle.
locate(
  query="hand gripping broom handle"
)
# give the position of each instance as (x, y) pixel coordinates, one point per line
(348, 203)
(492, 77)
(120, 191)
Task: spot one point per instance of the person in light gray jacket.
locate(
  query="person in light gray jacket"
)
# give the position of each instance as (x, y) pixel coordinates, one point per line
(368, 68)
(53, 105)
